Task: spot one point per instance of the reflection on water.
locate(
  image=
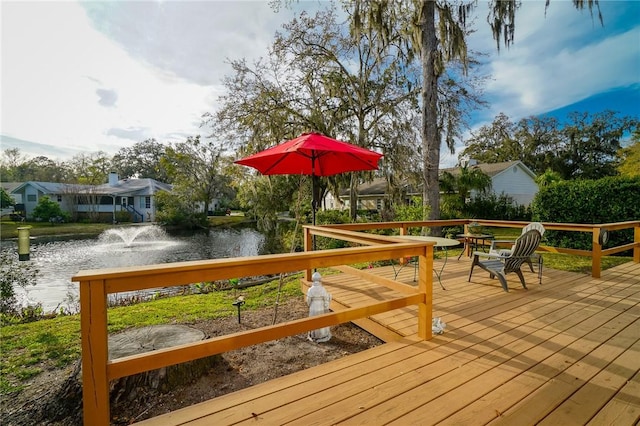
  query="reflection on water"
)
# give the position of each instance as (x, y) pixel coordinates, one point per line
(58, 261)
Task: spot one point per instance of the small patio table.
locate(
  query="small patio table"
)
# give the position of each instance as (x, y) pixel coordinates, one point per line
(471, 243)
(442, 243)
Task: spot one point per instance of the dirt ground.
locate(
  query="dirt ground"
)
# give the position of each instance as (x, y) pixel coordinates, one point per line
(61, 403)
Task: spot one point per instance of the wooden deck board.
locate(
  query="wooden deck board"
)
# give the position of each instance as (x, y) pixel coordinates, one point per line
(597, 391)
(536, 391)
(623, 408)
(235, 404)
(564, 352)
(476, 376)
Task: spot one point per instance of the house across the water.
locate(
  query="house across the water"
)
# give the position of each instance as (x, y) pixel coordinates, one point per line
(134, 197)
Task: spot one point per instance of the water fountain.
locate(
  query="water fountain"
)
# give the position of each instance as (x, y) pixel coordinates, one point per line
(134, 235)
(59, 258)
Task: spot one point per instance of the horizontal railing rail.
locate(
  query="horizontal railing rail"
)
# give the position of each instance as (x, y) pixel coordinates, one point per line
(596, 253)
(96, 285)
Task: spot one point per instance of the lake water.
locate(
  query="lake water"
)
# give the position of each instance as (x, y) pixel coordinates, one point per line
(58, 260)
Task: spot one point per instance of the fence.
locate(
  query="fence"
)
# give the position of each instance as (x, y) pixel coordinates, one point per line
(95, 286)
(596, 230)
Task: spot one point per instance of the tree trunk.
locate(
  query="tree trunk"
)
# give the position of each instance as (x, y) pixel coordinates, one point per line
(353, 197)
(430, 133)
(140, 340)
(65, 402)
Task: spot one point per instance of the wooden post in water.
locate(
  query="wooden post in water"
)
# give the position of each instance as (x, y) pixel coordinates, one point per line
(23, 243)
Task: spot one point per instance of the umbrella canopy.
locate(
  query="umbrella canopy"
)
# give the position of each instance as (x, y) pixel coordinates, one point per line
(312, 154)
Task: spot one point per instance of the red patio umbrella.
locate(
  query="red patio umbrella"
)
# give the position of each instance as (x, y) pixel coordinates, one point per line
(312, 154)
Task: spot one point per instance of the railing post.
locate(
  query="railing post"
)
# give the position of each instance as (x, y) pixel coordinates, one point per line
(425, 286)
(95, 353)
(404, 230)
(636, 240)
(308, 246)
(596, 253)
(467, 247)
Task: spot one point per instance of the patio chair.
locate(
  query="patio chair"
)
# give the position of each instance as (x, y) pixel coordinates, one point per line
(500, 265)
(494, 249)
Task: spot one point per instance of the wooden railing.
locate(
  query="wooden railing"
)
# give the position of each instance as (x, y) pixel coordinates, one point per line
(596, 253)
(96, 285)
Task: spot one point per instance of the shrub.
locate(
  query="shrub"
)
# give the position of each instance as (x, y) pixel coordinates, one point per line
(414, 211)
(178, 211)
(14, 274)
(49, 211)
(611, 199)
(496, 207)
(123, 216)
(324, 217)
(5, 199)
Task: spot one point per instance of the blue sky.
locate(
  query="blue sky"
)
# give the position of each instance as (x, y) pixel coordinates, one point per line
(83, 77)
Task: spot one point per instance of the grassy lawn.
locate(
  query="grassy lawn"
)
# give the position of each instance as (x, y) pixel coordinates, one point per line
(9, 229)
(563, 262)
(29, 349)
(571, 263)
(234, 219)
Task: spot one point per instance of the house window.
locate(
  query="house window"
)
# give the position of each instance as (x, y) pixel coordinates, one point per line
(59, 198)
(145, 202)
(32, 198)
(379, 204)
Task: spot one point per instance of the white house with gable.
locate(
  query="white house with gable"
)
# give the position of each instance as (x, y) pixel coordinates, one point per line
(512, 178)
(134, 196)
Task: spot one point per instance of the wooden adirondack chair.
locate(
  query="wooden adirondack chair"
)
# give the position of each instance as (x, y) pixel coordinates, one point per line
(500, 265)
(495, 248)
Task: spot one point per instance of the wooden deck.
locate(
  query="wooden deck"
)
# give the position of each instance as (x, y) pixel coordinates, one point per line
(561, 353)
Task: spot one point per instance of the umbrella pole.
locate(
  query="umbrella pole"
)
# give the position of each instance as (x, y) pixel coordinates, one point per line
(313, 211)
(313, 198)
(313, 214)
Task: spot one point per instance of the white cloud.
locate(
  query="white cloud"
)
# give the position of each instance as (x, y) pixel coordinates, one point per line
(57, 71)
(558, 59)
(103, 75)
(190, 39)
(561, 78)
